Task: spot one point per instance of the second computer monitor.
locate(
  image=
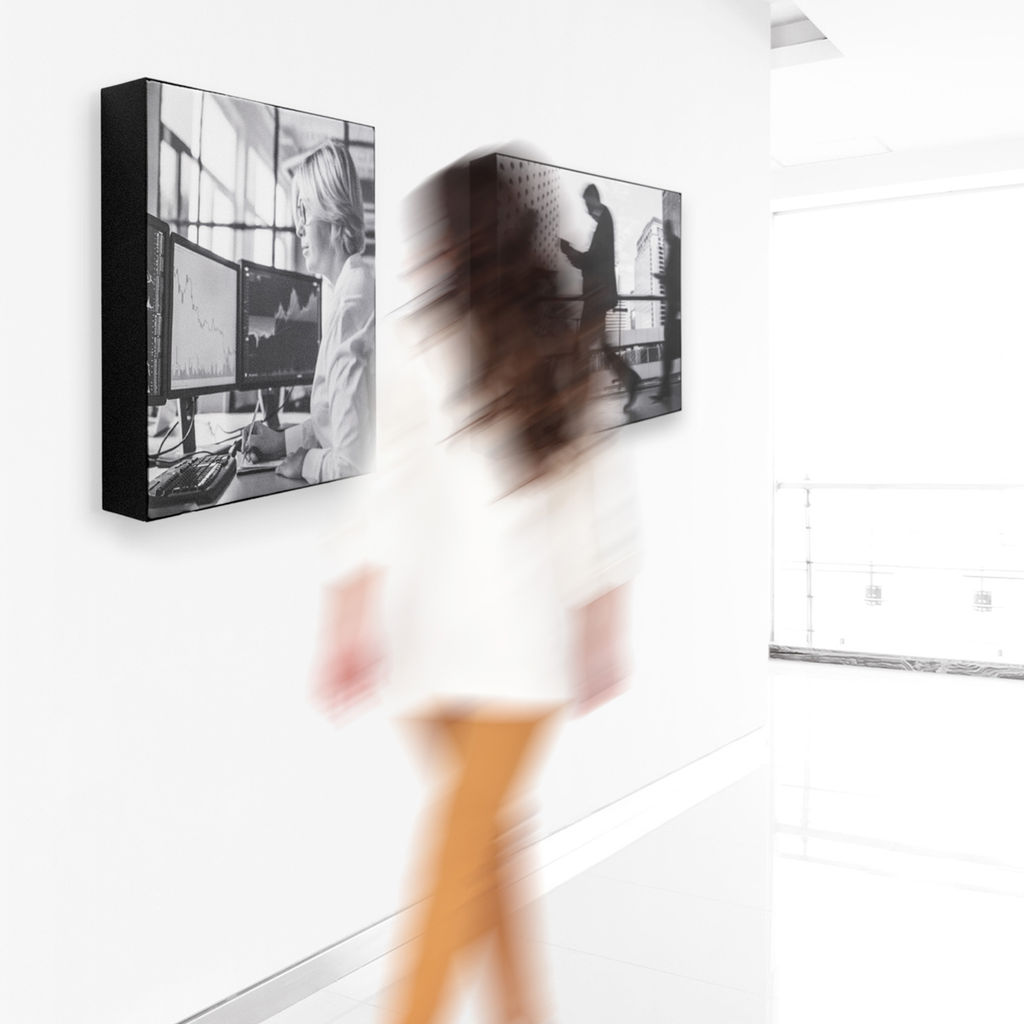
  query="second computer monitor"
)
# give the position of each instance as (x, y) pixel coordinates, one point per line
(280, 327)
(202, 298)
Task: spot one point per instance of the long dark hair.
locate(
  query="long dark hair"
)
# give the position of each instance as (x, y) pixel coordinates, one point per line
(526, 369)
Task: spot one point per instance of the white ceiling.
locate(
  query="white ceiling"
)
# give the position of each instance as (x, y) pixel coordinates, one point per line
(912, 74)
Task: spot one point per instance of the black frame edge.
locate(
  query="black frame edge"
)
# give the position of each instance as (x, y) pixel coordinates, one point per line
(123, 168)
(482, 216)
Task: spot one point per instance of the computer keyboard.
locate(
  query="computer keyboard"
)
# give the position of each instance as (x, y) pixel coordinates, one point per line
(200, 477)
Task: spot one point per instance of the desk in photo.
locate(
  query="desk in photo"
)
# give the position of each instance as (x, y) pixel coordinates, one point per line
(212, 432)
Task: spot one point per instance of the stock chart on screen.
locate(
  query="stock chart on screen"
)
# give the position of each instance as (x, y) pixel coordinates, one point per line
(280, 327)
(203, 299)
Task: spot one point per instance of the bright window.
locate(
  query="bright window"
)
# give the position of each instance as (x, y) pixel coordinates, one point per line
(898, 354)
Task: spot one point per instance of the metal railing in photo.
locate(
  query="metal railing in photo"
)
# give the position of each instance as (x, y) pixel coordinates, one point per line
(641, 347)
(923, 575)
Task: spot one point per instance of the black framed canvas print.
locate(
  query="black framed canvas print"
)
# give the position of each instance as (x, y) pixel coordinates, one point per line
(609, 251)
(247, 367)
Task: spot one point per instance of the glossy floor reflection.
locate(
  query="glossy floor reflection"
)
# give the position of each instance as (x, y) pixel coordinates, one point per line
(896, 887)
(898, 863)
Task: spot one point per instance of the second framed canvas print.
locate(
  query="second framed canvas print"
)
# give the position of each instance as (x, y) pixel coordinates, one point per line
(610, 250)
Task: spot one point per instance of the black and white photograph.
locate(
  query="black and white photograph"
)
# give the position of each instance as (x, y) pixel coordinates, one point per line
(261, 316)
(611, 250)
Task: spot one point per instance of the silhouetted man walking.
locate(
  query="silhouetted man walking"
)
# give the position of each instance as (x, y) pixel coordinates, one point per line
(600, 293)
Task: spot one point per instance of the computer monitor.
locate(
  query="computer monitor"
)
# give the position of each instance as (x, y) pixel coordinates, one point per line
(202, 315)
(157, 237)
(280, 325)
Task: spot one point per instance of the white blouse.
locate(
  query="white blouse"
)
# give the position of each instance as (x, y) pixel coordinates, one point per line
(339, 434)
(481, 580)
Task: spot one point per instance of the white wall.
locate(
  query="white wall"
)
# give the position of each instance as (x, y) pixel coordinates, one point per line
(181, 824)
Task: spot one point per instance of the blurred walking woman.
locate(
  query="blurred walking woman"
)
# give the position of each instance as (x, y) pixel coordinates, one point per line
(495, 571)
(337, 439)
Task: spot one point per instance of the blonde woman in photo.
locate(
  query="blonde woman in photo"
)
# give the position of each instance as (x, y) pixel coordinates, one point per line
(337, 439)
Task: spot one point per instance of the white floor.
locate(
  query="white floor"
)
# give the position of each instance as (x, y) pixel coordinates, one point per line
(898, 847)
(894, 892)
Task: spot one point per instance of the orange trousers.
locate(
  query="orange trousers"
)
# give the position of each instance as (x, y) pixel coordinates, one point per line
(467, 880)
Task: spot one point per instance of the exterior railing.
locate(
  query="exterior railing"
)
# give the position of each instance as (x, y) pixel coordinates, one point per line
(916, 569)
(641, 347)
